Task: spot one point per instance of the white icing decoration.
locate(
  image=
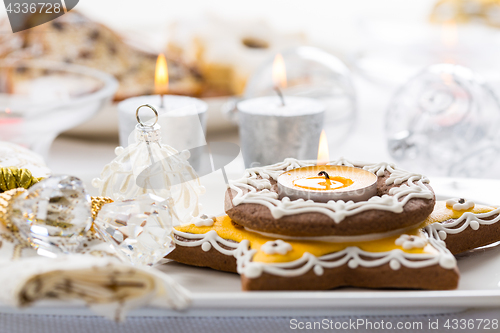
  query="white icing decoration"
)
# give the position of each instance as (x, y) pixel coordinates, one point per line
(411, 242)
(318, 270)
(206, 246)
(336, 210)
(456, 205)
(441, 230)
(352, 256)
(203, 221)
(211, 237)
(474, 225)
(379, 168)
(447, 262)
(394, 264)
(276, 247)
(353, 264)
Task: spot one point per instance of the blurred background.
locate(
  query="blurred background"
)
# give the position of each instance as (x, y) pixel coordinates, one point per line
(414, 82)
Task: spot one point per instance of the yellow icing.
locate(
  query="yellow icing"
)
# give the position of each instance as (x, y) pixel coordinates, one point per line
(225, 229)
(442, 213)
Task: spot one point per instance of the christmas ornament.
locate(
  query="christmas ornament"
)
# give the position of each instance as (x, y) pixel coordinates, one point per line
(51, 215)
(139, 229)
(148, 166)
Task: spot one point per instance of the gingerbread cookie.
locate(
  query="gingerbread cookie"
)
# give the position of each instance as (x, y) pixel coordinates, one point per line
(403, 199)
(264, 263)
(463, 225)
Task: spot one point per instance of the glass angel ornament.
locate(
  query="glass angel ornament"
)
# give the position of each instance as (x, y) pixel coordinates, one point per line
(148, 166)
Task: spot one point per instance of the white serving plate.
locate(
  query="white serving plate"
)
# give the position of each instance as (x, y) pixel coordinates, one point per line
(219, 294)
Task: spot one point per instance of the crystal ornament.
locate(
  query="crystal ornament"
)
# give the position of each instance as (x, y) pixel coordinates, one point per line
(53, 214)
(139, 229)
(444, 122)
(148, 166)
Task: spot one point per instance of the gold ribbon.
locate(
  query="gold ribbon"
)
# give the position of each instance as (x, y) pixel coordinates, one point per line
(97, 203)
(12, 178)
(6, 199)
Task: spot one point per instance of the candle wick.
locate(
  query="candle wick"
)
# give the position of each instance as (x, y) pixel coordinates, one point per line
(323, 173)
(280, 94)
(162, 104)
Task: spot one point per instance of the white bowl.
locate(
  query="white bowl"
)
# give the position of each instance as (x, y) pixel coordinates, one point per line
(41, 99)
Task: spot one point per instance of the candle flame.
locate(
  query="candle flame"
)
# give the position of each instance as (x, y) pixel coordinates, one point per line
(449, 38)
(279, 72)
(449, 34)
(323, 155)
(161, 75)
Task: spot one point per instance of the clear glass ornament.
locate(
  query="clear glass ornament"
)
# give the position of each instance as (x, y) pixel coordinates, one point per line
(439, 118)
(139, 229)
(53, 214)
(148, 166)
(312, 72)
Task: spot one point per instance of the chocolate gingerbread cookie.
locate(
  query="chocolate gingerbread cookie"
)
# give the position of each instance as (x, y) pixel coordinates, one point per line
(464, 225)
(264, 263)
(403, 199)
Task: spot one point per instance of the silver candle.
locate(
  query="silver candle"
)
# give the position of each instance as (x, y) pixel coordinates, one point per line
(271, 131)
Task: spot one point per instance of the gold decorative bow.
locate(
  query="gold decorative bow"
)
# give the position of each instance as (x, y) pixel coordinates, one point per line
(13, 177)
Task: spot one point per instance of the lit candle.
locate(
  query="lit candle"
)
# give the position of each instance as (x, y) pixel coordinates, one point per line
(322, 183)
(273, 128)
(182, 118)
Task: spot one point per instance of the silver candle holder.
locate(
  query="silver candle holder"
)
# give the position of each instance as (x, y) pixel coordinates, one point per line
(271, 130)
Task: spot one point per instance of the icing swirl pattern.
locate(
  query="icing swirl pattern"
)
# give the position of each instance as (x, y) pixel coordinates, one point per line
(468, 219)
(435, 253)
(352, 256)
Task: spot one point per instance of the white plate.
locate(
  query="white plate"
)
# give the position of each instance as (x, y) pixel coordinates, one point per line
(219, 294)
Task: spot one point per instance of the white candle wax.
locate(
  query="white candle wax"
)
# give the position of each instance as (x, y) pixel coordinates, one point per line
(334, 183)
(272, 106)
(182, 119)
